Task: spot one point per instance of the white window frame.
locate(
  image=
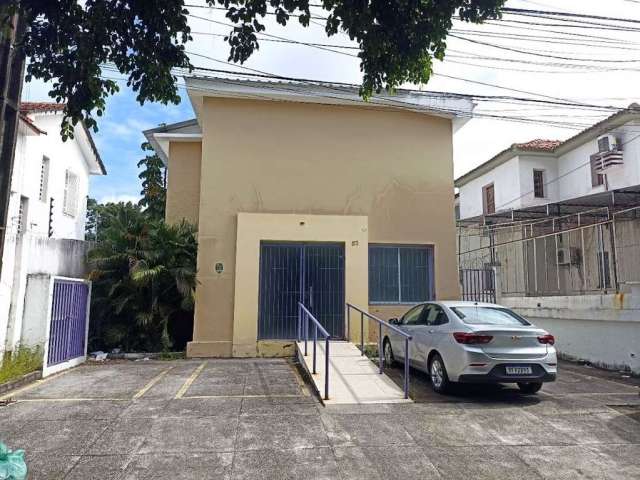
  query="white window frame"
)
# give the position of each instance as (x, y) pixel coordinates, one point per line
(70, 199)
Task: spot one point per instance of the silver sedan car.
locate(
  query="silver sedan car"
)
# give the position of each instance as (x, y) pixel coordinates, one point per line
(470, 342)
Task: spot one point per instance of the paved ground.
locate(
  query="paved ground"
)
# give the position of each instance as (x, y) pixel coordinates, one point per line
(255, 419)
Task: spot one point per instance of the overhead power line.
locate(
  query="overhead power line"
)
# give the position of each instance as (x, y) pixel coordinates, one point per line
(522, 11)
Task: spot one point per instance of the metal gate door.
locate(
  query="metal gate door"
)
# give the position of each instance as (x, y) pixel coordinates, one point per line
(308, 273)
(67, 333)
(478, 284)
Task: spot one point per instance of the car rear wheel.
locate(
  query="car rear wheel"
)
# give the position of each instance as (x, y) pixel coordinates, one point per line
(389, 360)
(438, 373)
(531, 387)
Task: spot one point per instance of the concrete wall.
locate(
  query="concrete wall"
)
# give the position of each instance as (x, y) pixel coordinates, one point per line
(35, 254)
(506, 182)
(183, 182)
(287, 158)
(601, 329)
(529, 163)
(577, 176)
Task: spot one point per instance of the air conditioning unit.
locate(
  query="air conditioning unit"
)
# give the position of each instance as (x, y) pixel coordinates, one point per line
(609, 154)
(607, 143)
(568, 256)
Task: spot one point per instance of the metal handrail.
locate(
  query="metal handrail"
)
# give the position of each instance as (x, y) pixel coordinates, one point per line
(407, 339)
(304, 315)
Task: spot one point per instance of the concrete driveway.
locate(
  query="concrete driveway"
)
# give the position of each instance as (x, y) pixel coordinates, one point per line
(256, 419)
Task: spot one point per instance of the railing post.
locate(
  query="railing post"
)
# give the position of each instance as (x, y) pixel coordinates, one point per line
(361, 333)
(306, 332)
(380, 357)
(348, 322)
(326, 368)
(299, 322)
(406, 367)
(315, 339)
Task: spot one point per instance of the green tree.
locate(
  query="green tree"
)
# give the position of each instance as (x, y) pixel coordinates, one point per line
(71, 41)
(90, 226)
(154, 191)
(144, 276)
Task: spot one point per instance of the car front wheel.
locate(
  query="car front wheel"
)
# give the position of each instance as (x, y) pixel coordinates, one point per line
(531, 387)
(438, 373)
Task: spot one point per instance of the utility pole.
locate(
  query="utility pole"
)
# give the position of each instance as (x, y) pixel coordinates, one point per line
(12, 62)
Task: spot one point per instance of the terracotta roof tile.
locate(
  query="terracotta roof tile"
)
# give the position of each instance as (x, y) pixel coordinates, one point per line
(39, 107)
(538, 145)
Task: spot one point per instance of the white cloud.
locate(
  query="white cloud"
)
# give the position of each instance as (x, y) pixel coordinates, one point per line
(119, 198)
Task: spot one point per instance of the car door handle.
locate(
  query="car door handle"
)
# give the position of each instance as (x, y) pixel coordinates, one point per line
(431, 331)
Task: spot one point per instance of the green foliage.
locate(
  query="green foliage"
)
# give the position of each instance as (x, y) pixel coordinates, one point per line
(171, 356)
(154, 191)
(21, 361)
(70, 41)
(144, 275)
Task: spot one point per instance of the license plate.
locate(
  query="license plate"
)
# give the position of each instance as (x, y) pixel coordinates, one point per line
(519, 370)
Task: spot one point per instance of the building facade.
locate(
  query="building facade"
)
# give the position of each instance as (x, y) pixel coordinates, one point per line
(557, 236)
(305, 193)
(47, 209)
(546, 171)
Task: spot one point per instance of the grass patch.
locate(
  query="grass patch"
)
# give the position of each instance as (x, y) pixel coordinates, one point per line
(21, 361)
(171, 356)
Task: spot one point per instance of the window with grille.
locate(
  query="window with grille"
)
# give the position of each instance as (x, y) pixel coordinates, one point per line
(70, 200)
(44, 179)
(489, 199)
(538, 183)
(400, 274)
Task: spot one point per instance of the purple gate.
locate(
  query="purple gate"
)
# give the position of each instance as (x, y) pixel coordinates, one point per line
(67, 333)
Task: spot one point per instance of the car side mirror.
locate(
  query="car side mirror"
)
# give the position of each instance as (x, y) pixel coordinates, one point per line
(394, 321)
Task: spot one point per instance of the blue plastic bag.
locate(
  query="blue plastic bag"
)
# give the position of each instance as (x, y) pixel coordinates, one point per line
(12, 466)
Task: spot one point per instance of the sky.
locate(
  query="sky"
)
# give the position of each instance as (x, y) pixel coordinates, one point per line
(610, 78)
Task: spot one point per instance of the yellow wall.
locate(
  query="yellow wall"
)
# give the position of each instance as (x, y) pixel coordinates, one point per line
(394, 167)
(183, 182)
(253, 228)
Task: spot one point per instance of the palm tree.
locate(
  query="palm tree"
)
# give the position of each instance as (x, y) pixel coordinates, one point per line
(144, 274)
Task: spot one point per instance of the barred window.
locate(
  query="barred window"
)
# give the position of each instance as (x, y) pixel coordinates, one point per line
(538, 183)
(400, 274)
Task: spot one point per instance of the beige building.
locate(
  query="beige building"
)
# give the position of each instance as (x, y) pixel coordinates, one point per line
(304, 192)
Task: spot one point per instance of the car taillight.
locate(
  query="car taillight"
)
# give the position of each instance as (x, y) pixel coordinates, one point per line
(471, 338)
(547, 339)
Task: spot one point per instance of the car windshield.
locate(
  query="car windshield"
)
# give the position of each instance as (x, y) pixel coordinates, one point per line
(489, 316)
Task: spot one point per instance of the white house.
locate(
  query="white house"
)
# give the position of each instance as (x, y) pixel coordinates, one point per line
(47, 209)
(547, 171)
(551, 228)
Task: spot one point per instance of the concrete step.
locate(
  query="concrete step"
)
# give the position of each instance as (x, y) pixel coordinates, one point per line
(353, 378)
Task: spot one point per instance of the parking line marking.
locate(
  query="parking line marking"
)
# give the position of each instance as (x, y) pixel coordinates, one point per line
(185, 386)
(246, 396)
(37, 383)
(151, 383)
(81, 399)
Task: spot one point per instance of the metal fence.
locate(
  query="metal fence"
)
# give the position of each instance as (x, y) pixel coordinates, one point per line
(588, 252)
(478, 284)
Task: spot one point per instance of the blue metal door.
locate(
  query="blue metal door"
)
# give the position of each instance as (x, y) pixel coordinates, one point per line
(67, 333)
(309, 273)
